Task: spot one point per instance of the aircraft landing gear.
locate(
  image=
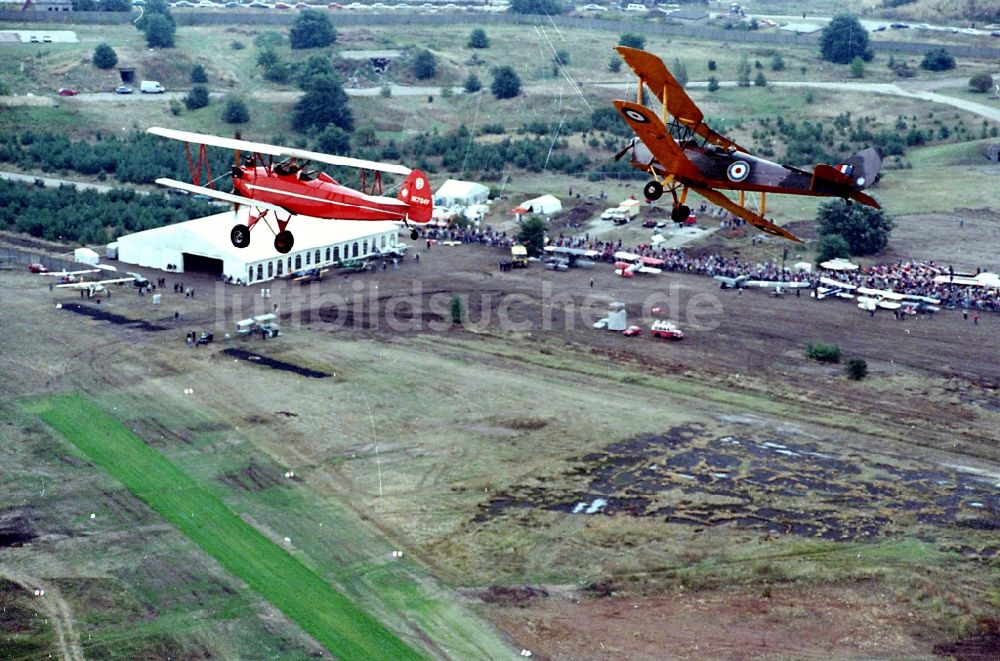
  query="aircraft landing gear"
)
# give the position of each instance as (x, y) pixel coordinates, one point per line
(680, 213)
(240, 236)
(283, 241)
(414, 234)
(653, 190)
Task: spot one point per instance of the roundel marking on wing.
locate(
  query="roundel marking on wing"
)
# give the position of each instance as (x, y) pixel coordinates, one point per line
(861, 181)
(738, 171)
(419, 183)
(405, 193)
(636, 116)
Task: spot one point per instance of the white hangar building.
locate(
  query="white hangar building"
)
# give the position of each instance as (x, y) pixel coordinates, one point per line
(203, 245)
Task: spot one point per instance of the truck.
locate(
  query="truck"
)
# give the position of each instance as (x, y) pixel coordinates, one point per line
(519, 256)
(623, 213)
(151, 87)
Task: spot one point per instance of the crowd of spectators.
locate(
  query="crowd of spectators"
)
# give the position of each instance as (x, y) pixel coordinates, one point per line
(911, 277)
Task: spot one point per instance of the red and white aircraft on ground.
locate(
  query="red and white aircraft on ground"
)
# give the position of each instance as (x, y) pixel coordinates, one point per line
(292, 186)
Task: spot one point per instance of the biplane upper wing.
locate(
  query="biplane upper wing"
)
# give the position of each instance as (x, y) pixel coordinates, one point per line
(656, 137)
(274, 150)
(755, 219)
(654, 74)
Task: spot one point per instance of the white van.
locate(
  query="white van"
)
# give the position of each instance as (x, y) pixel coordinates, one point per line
(151, 87)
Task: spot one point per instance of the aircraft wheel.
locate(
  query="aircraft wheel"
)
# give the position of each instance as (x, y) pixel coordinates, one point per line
(283, 241)
(414, 234)
(653, 190)
(680, 213)
(240, 236)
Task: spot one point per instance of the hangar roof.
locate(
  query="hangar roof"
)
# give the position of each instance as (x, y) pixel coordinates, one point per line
(209, 236)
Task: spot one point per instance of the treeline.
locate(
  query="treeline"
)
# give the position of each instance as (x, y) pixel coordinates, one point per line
(66, 214)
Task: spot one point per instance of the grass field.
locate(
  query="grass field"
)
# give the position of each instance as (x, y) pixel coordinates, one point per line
(272, 571)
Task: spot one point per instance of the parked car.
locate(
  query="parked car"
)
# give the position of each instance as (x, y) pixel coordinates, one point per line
(282, 5)
(649, 223)
(204, 338)
(632, 331)
(123, 89)
(666, 330)
(66, 91)
(38, 268)
(259, 5)
(335, 5)
(601, 324)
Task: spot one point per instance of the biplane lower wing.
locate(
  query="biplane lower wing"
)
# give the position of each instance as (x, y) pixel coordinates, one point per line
(755, 219)
(218, 195)
(656, 137)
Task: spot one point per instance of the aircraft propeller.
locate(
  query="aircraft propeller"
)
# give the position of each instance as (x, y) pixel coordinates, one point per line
(630, 145)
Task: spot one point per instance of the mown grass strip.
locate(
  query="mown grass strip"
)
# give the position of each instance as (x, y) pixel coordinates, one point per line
(297, 591)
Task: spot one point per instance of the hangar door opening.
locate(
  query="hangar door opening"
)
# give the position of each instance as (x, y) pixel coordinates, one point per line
(200, 264)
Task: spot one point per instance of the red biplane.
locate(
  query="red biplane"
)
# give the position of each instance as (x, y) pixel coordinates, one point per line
(682, 153)
(292, 186)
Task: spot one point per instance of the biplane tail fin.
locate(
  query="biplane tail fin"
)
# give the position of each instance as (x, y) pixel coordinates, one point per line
(852, 176)
(416, 192)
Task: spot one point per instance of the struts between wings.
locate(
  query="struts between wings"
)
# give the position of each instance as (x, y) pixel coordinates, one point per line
(681, 153)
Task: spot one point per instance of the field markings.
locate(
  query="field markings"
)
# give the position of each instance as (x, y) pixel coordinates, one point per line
(334, 621)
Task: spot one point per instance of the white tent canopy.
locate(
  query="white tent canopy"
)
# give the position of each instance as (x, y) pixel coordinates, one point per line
(545, 205)
(839, 264)
(86, 256)
(455, 192)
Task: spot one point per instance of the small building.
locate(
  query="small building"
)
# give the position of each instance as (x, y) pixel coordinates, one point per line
(49, 5)
(993, 152)
(86, 256)
(546, 205)
(203, 245)
(455, 192)
(617, 318)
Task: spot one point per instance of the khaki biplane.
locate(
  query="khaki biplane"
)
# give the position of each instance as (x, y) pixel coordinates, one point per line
(682, 153)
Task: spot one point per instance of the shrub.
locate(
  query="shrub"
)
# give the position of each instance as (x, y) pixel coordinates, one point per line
(472, 84)
(478, 39)
(937, 59)
(312, 29)
(823, 353)
(105, 57)
(196, 98)
(713, 84)
(198, 74)
(830, 247)
(632, 40)
(424, 65)
(981, 82)
(236, 111)
(456, 310)
(856, 369)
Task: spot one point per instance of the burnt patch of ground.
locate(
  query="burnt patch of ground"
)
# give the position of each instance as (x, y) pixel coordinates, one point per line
(15, 529)
(257, 359)
(981, 647)
(117, 319)
(25, 633)
(254, 477)
(160, 435)
(512, 594)
(777, 485)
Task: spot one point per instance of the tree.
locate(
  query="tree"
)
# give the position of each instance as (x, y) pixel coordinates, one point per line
(713, 84)
(743, 72)
(236, 111)
(865, 229)
(325, 102)
(760, 80)
(680, 71)
(532, 235)
(424, 65)
(822, 352)
(857, 369)
(506, 84)
(545, 7)
(160, 31)
(857, 68)
(198, 74)
(981, 82)
(830, 247)
(196, 98)
(937, 59)
(615, 63)
(478, 39)
(632, 40)
(843, 39)
(777, 62)
(104, 57)
(333, 140)
(561, 58)
(317, 66)
(312, 29)
(472, 84)
(456, 310)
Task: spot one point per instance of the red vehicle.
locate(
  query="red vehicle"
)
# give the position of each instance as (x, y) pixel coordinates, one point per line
(666, 330)
(293, 186)
(66, 91)
(632, 331)
(38, 268)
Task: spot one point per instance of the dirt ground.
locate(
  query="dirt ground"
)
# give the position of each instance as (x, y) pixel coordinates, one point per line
(933, 385)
